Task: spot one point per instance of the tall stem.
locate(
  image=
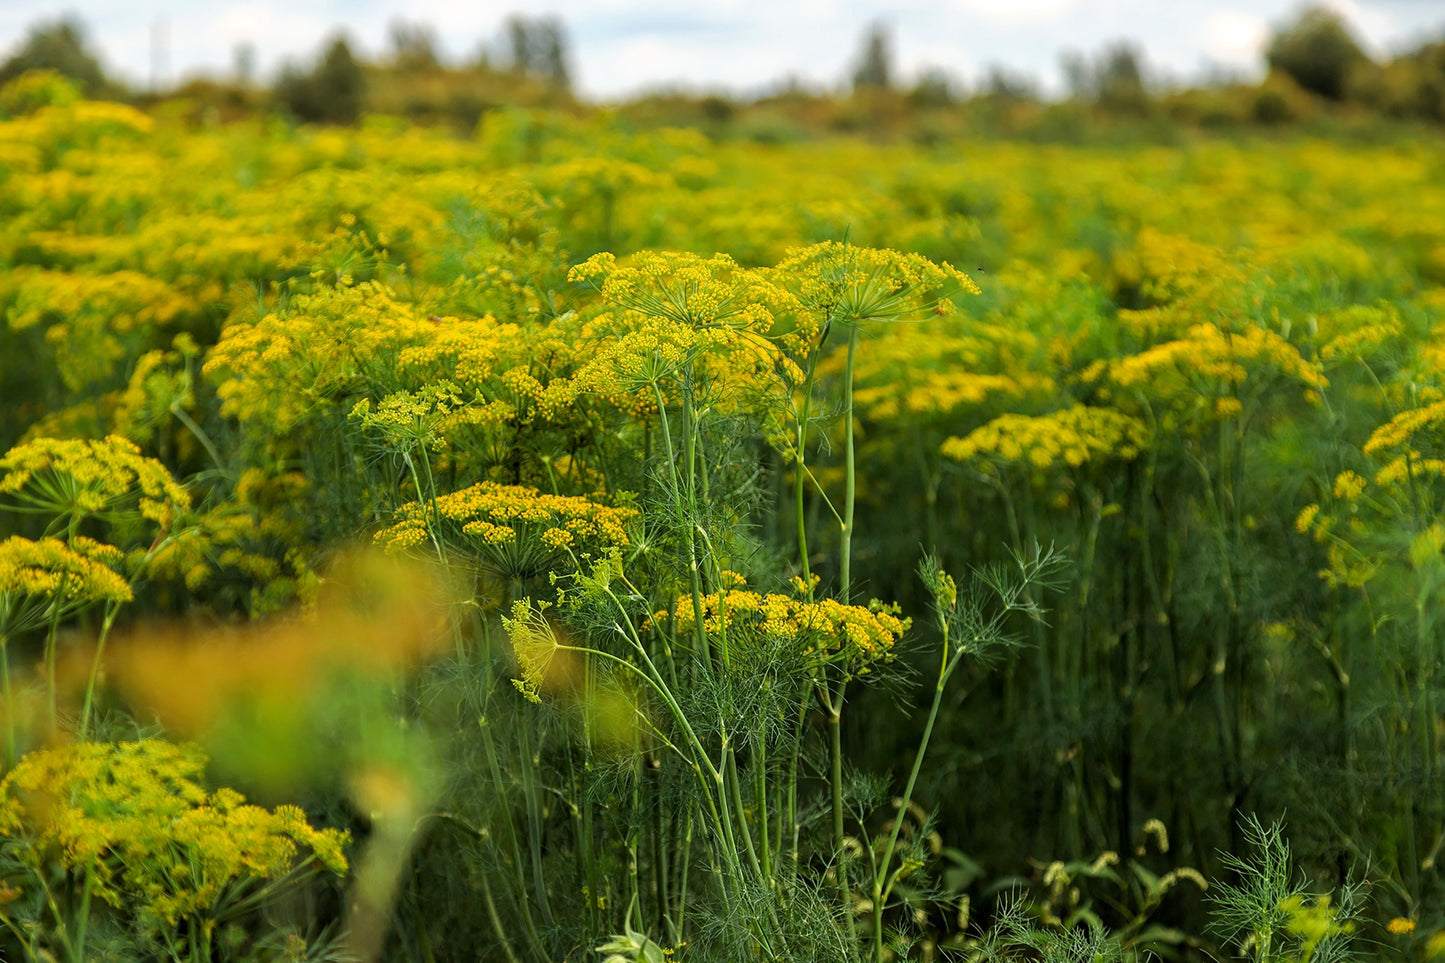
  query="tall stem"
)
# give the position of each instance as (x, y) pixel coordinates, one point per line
(845, 549)
(112, 609)
(694, 577)
(800, 456)
(880, 892)
(9, 701)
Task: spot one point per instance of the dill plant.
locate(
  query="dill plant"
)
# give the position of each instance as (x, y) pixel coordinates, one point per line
(1268, 914)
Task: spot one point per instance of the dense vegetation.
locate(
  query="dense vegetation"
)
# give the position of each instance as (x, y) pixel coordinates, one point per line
(1107, 477)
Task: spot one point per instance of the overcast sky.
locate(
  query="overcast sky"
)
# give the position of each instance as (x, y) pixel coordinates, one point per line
(619, 47)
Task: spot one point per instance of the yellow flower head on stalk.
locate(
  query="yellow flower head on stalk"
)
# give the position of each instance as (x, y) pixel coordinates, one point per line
(1164, 267)
(38, 576)
(734, 326)
(1209, 355)
(91, 320)
(534, 647)
(108, 479)
(1357, 332)
(1401, 430)
(1073, 437)
(939, 392)
(518, 528)
(133, 820)
(416, 419)
(322, 346)
(822, 632)
(839, 282)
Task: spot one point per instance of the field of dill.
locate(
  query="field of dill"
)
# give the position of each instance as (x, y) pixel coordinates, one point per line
(579, 542)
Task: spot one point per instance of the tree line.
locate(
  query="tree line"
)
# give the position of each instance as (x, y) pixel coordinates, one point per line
(1316, 65)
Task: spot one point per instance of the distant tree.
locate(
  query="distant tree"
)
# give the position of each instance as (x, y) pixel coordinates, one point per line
(935, 87)
(537, 47)
(1001, 83)
(875, 60)
(413, 46)
(58, 45)
(1119, 78)
(1114, 79)
(1317, 51)
(330, 94)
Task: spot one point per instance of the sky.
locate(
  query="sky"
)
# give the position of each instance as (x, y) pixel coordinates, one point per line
(623, 47)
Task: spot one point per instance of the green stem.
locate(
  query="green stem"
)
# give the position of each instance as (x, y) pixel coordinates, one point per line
(834, 705)
(735, 791)
(9, 701)
(201, 436)
(850, 481)
(530, 763)
(499, 787)
(800, 456)
(880, 893)
(699, 630)
(793, 826)
(111, 611)
(760, 789)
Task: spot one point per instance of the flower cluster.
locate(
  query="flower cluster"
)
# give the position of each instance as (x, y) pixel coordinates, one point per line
(38, 577)
(490, 516)
(132, 822)
(72, 477)
(853, 285)
(1212, 353)
(1072, 437)
(825, 631)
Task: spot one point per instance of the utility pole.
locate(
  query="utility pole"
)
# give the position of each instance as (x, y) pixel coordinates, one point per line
(160, 53)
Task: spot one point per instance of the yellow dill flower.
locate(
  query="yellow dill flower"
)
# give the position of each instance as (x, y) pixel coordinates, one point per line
(422, 418)
(825, 631)
(1229, 407)
(534, 646)
(1400, 926)
(1399, 430)
(1072, 437)
(109, 479)
(133, 820)
(1182, 369)
(38, 577)
(1348, 485)
(675, 311)
(516, 527)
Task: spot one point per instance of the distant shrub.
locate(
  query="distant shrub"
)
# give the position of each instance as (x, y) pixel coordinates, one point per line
(1317, 51)
(36, 89)
(330, 94)
(57, 46)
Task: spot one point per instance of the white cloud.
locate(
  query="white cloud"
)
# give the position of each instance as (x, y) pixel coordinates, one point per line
(1373, 27)
(1015, 12)
(1235, 39)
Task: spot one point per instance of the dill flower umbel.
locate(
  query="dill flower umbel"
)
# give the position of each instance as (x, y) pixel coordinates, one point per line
(37, 578)
(849, 284)
(518, 528)
(108, 478)
(131, 822)
(825, 631)
(1074, 437)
